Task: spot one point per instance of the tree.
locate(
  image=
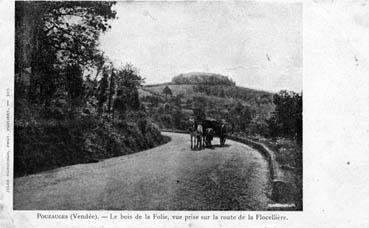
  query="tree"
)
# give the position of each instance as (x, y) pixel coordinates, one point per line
(54, 38)
(127, 83)
(177, 100)
(167, 91)
(241, 116)
(74, 83)
(102, 91)
(286, 120)
(178, 118)
(111, 92)
(199, 105)
(199, 114)
(166, 120)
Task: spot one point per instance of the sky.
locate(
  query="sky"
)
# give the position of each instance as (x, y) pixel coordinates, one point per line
(258, 45)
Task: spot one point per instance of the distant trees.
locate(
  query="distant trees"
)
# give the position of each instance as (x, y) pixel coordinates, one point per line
(203, 78)
(179, 120)
(240, 116)
(245, 94)
(199, 107)
(199, 114)
(283, 118)
(167, 91)
(286, 120)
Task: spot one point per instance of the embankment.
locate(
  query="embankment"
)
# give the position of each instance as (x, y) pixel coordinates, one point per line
(48, 145)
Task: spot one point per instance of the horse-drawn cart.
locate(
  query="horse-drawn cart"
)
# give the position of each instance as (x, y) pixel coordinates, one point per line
(214, 128)
(203, 132)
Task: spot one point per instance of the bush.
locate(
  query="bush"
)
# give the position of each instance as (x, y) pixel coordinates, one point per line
(51, 144)
(259, 126)
(286, 120)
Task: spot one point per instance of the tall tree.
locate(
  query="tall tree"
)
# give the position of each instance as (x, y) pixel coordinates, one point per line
(127, 81)
(111, 92)
(53, 37)
(102, 92)
(286, 120)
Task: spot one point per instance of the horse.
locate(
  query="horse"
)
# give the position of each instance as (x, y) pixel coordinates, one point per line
(193, 134)
(200, 133)
(196, 134)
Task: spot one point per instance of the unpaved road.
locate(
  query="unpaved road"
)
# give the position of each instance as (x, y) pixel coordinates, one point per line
(168, 177)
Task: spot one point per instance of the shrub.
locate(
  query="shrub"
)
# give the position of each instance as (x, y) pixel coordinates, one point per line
(286, 120)
(51, 144)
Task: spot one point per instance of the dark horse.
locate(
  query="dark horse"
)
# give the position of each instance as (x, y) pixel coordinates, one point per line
(214, 128)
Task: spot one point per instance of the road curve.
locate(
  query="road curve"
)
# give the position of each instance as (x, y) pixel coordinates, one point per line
(168, 177)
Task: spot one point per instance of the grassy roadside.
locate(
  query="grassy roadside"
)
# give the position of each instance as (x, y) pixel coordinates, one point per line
(288, 154)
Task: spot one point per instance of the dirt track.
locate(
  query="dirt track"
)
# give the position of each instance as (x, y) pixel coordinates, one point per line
(168, 177)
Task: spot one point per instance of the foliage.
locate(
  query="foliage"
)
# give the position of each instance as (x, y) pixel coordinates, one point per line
(102, 95)
(179, 119)
(202, 78)
(241, 114)
(56, 42)
(245, 110)
(127, 83)
(254, 97)
(240, 117)
(167, 91)
(286, 119)
(199, 114)
(66, 90)
(47, 145)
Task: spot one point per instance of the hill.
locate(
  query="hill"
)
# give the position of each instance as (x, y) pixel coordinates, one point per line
(214, 95)
(209, 84)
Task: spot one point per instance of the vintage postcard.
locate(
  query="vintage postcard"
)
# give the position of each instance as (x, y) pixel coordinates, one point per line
(162, 113)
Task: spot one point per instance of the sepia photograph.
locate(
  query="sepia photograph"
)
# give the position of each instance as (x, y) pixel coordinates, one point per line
(158, 106)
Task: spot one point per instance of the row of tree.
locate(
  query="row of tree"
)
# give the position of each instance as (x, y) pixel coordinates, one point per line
(202, 78)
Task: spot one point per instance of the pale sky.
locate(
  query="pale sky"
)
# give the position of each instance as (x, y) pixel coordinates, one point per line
(258, 45)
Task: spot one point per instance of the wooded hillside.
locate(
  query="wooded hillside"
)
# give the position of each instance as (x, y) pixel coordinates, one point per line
(72, 105)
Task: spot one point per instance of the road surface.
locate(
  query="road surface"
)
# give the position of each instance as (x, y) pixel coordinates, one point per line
(168, 177)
